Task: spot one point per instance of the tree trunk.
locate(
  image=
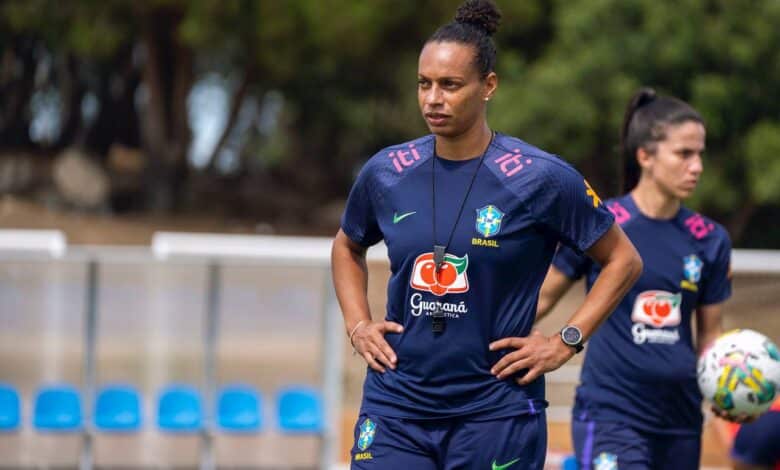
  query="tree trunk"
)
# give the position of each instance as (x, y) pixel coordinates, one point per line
(168, 76)
(739, 221)
(235, 108)
(14, 121)
(117, 86)
(72, 93)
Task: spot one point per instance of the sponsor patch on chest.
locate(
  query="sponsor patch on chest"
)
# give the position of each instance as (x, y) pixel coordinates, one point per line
(653, 313)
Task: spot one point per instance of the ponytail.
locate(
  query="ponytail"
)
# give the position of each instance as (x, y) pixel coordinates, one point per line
(645, 122)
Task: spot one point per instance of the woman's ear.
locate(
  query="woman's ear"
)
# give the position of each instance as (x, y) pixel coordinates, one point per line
(491, 84)
(644, 158)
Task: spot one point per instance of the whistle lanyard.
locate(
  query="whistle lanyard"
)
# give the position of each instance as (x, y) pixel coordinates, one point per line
(439, 251)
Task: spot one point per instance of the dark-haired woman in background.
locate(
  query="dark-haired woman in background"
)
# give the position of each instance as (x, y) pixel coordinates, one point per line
(471, 219)
(638, 405)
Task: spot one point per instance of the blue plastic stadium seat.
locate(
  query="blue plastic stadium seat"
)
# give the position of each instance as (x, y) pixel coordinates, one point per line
(570, 463)
(57, 409)
(9, 408)
(179, 409)
(239, 409)
(300, 410)
(118, 409)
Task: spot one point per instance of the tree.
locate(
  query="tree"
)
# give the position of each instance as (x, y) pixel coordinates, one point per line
(716, 54)
(342, 74)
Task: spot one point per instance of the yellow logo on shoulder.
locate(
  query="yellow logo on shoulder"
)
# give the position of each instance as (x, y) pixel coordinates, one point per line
(688, 285)
(364, 456)
(592, 194)
(484, 242)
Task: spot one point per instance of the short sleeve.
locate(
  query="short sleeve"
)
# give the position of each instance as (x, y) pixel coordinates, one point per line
(567, 205)
(359, 221)
(717, 284)
(571, 263)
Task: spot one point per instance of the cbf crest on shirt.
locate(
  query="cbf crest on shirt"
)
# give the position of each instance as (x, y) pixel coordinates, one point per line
(489, 220)
(364, 440)
(522, 204)
(648, 338)
(692, 269)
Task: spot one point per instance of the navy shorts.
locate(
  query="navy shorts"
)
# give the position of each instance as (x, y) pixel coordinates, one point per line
(758, 443)
(608, 446)
(514, 443)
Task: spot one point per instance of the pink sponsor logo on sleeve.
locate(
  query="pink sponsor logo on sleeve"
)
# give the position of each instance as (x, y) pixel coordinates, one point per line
(620, 212)
(699, 227)
(404, 158)
(511, 163)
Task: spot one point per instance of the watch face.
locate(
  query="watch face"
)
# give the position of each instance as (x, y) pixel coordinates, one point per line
(571, 335)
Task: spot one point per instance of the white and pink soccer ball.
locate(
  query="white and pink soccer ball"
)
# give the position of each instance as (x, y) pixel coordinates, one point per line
(740, 373)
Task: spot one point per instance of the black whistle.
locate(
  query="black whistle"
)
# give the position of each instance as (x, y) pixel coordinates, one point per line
(438, 256)
(437, 321)
(438, 325)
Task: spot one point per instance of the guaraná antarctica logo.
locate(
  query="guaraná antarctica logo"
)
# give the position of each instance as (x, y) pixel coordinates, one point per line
(451, 278)
(656, 309)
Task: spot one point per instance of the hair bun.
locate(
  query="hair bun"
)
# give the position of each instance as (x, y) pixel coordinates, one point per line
(644, 96)
(482, 14)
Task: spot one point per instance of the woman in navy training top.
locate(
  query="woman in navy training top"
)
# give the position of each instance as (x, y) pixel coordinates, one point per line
(638, 405)
(755, 445)
(471, 219)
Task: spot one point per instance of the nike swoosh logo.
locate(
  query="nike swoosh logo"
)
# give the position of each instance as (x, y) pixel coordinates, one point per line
(397, 218)
(506, 465)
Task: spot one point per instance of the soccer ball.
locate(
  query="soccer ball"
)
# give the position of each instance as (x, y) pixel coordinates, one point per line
(740, 373)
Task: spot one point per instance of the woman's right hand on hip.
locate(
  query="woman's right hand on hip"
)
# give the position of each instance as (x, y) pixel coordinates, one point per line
(369, 341)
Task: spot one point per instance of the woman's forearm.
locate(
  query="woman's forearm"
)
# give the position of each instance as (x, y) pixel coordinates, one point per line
(621, 266)
(350, 280)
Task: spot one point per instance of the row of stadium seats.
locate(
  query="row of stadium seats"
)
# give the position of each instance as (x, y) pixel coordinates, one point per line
(117, 408)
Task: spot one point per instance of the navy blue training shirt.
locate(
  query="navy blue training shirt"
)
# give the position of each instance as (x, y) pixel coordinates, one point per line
(756, 443)
(523, 203)
(640, 366)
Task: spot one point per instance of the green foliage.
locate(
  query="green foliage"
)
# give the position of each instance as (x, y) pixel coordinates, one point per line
(89, 28)
(762, 151)
(720, 55)
(346, 69)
